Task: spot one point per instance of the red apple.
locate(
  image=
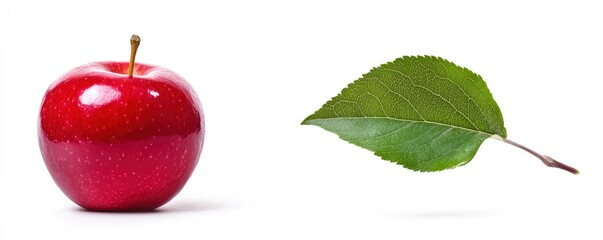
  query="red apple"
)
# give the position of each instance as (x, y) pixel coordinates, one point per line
(119, 136)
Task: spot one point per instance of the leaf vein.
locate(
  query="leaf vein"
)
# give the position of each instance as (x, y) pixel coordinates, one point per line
(378, 100)
(396, 130)
(408, 120)
(459, 87)
(417, 147)
(452, 150)
(437, 95)
(400, 95)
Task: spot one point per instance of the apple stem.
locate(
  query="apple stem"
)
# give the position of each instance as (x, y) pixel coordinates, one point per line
(545, 159)
(134, 43)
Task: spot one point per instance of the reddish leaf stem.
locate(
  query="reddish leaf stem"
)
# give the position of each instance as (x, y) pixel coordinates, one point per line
(545, 159)
(134, 43)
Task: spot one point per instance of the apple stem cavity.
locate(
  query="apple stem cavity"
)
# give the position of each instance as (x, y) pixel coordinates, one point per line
(134, 43)
(549, 161)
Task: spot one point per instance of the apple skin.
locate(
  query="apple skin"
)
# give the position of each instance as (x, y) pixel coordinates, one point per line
(117, 143)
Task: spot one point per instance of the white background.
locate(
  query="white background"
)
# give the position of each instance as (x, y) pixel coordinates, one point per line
(261, 67)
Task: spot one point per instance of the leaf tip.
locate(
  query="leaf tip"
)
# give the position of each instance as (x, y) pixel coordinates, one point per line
(307, 120)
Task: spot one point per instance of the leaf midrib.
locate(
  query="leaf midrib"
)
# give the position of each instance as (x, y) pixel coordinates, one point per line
(406, 120)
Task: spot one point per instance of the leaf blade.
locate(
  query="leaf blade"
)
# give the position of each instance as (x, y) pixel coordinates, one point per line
(427, 91)
(412, 143)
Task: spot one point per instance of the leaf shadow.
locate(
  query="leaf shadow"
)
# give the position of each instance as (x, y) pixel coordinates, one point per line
(450, 214)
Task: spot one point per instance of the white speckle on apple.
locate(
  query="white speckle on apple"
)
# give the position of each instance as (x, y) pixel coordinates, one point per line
(153, 93)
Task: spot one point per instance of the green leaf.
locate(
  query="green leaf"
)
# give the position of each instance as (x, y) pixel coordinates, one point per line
(422, 112)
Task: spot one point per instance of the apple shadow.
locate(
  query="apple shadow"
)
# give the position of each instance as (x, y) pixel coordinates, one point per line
(175, 207)
(192, 206)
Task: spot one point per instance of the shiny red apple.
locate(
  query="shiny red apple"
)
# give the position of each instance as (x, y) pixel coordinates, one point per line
(119, 136)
